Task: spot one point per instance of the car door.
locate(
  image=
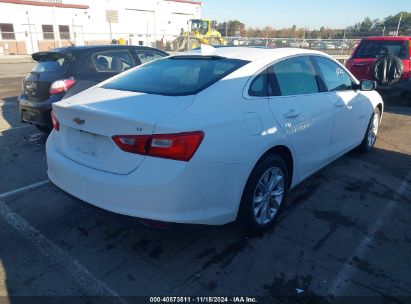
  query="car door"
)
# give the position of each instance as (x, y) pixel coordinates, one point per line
(302, 110)
(351, 109)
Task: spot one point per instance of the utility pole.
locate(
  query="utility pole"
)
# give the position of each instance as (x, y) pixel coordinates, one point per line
(383, 31)
(31, 36)
(226, 29)
(55, 26)
(343, 42)
(399, 23)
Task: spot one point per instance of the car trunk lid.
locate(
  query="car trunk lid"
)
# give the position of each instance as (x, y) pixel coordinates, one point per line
(89, 120)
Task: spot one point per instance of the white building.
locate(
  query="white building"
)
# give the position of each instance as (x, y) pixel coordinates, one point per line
(28, 26)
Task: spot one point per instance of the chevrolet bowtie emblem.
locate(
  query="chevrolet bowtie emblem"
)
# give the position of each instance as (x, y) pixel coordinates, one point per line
(79, 121)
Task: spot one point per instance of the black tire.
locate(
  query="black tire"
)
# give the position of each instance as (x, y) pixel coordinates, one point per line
(193, 44)
(387, 70)
(247, 216)
(365, 145)
(44, 129)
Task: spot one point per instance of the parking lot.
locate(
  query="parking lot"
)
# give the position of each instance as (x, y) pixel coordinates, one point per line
(345, 233)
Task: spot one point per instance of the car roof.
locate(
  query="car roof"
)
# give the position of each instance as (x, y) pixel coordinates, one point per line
(102, 47)
(387, 38)
(248, 53)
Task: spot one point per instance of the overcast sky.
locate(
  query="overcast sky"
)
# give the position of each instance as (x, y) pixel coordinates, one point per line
(303, 13)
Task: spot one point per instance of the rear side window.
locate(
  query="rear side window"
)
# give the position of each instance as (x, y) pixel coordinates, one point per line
(379, 48)
(148, 55)
(295, 76)
(176, 76)
(51, 64)
(258, 87)
(116, 61)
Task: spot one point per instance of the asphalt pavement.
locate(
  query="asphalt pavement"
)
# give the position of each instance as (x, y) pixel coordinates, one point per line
(344, 236)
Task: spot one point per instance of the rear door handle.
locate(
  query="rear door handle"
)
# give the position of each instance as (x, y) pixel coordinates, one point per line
(291, 114)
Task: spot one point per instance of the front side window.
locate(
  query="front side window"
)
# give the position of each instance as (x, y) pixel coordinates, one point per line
(64, 32)
(7, 31)
(148, 55)
(334, 76)
(176, 76)
(295, 76)
(116, 61)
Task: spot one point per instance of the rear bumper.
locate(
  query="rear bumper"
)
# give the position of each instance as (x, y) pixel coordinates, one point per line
(401, 88)
(160, 189)
(37, 112)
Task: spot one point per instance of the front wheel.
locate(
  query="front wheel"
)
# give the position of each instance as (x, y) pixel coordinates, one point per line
(193, 44)
(264, 194)
(371, 135)
(214, 42)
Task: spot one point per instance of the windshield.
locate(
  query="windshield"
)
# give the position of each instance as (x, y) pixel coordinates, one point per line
(51, 65)
(176, 76)
(376, 49)
(199, 25)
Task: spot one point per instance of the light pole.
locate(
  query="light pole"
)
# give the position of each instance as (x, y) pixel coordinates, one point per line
(399, 23)
(31, 36)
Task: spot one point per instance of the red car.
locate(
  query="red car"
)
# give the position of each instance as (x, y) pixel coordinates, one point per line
(386, 60)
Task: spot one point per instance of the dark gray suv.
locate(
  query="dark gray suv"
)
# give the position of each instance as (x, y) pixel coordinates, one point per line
(63, 72)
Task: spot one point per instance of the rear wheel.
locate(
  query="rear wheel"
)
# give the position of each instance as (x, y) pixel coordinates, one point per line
(264, 194)
(371, 135)
(193, 44)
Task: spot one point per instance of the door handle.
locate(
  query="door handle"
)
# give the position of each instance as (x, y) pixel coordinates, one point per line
(291, 114)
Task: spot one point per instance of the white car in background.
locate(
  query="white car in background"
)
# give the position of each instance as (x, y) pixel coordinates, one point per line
(210, 136)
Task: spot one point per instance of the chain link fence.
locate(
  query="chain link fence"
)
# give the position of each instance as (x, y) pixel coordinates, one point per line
(25, 43)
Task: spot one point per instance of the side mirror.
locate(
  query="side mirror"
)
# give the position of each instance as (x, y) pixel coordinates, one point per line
(368, 85)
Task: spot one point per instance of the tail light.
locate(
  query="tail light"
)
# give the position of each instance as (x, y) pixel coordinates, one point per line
(179, 146)
(60, 86)
(56, 124)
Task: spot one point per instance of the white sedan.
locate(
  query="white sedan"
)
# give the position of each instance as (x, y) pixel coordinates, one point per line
(210, 136)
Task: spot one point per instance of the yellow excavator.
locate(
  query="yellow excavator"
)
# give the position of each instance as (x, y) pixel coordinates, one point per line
(200, 32)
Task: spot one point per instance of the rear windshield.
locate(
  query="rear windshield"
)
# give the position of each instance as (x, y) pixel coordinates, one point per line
(176, 76)
(375, 49)
(51, 65)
